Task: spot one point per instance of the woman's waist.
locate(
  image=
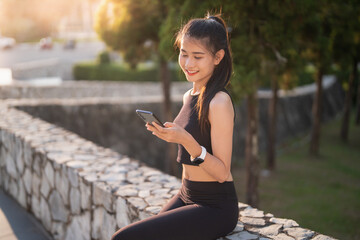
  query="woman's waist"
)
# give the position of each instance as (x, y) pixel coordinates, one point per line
(211, 189)
(195, 173)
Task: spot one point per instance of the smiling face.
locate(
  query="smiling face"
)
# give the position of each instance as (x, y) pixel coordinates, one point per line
(196, 61)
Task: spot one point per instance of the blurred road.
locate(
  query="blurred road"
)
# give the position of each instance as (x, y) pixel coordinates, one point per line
(16, 223)
(25, 52)
(28, 55)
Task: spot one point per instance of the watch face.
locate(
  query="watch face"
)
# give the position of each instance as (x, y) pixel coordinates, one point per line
(198, 160)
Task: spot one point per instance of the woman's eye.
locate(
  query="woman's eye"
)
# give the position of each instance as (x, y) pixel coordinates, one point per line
(183, 55)
(198, 57)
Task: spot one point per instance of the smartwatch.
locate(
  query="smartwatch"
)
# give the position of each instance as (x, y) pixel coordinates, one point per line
(199, 159)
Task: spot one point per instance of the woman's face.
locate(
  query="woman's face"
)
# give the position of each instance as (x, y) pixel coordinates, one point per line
(196, 61)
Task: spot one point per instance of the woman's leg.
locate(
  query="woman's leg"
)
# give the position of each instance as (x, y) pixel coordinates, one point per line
(174, 203)
(192, 222)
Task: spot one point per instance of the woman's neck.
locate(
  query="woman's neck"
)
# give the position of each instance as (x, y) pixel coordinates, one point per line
(196, 88)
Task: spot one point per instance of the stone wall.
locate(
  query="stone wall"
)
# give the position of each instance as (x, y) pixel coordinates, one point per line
(80, 190)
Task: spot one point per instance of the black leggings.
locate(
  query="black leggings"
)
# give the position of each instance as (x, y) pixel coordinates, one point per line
(201, 211)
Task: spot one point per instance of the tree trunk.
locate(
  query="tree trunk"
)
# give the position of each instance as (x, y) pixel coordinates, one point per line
(251, 152)
(356, 78)
(170, 163)
(272, 111)
(316, 112)
(347, 105)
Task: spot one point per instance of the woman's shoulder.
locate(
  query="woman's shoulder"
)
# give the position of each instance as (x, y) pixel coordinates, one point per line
(186, 94)
(221, 105)
(221, 98)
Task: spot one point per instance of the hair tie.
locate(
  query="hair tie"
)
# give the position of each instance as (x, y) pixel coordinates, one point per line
(212, 17)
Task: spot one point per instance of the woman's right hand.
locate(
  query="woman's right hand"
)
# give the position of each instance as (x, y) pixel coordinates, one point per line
(172, 132)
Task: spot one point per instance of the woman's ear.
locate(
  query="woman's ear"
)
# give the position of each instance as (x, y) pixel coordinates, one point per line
(219, 56)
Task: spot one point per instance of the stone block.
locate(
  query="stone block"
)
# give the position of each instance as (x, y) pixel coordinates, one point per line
(322, 237)
(75, 201)
(37, 164)
(10, 166)
(27, 180)
(103, 225)
(85, 195)
(253, 221)
(62, 186)
(50, 174)
(35, 184)
(73, 177)
(287, 223)
(58, 210)
(299, 233)
(153, 210)
(283, 236)
(102, 195)
(58, 230)
(244, 235)
(13, 188)
(45, 214)
(268, 231)
(79, 227)
(3, 154)
(45, 187)
(138, 203)
(156, 200)
(35, 206)
(252, 212)
(122, 215)
(22, 194)
(28, 154)
(19, 156)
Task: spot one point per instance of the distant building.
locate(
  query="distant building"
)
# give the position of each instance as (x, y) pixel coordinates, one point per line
(79, 24)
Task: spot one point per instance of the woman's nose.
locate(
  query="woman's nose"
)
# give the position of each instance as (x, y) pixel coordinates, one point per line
(189, 63)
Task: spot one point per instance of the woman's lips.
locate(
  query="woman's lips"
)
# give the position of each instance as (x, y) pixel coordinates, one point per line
(191, 73)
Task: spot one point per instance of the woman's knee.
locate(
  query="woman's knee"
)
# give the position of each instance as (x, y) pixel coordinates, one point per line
(119, 235)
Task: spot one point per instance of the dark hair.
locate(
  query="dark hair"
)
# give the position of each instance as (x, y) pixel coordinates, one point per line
(212, 31)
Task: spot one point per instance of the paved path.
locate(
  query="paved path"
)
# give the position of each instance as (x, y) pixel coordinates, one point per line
(16, 223)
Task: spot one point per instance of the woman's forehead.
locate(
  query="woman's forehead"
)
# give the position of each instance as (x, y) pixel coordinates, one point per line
(193, 45)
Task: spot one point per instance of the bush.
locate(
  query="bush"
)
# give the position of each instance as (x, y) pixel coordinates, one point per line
(115, 72)
(104, 58)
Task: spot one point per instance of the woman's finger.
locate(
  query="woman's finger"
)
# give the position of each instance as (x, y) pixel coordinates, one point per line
(157, 126)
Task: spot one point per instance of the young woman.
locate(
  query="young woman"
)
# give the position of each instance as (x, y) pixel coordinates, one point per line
(206, 206)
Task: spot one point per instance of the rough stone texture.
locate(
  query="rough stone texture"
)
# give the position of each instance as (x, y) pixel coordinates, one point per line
(79, 190)
(58, 209)
(79, 227)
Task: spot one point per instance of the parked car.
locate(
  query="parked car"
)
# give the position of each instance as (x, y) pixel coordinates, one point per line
(7, 43)
(70, 44)
(46, 43)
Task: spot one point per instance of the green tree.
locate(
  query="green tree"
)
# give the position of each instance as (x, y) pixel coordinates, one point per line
(317, 47)
(132, 28)
(346, 32)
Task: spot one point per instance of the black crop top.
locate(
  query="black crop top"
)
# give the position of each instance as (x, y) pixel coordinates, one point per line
(188, 119)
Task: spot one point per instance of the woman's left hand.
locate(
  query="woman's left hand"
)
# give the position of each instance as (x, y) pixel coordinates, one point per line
(170, 133)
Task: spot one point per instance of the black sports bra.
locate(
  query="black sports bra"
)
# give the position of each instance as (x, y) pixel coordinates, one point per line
(188, 119)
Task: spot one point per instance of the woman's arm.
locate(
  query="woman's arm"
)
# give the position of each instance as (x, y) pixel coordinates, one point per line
(221, 117)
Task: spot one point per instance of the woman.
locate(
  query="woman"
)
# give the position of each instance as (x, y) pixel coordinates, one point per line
(206, 206)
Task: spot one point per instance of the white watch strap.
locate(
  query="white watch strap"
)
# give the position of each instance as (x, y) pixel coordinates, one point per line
(202, 155)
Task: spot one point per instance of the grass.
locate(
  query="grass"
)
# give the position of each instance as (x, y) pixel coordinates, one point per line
(320, 193)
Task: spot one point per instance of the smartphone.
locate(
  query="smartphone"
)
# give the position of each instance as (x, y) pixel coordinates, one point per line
(148, 117)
